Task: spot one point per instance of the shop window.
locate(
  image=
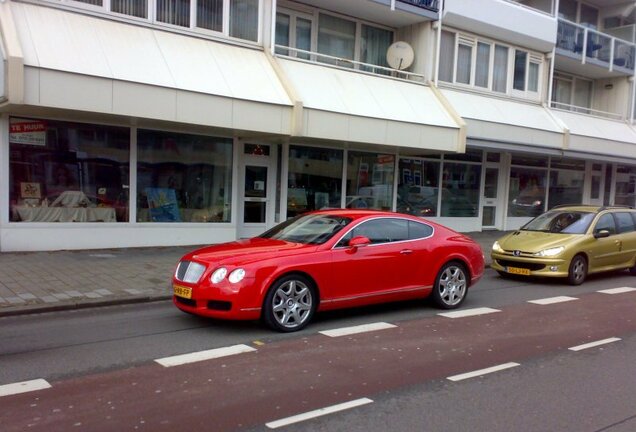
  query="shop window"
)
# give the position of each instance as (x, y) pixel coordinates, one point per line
(68, 172)
(527, 191)
(566, 187)
(418, 186)
(370, 180)
(314, 180)
(460, 189)
(625, 185)
(183, 178)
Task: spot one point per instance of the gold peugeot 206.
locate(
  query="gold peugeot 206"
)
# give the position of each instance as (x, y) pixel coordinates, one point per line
(570, 242)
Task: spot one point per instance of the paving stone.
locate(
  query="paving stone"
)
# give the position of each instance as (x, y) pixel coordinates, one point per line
(74, 293)
(103, 292)
(92, 295)
(27, 296)
(16, 300)
(61, 296)
(133, 291)
(50, 299)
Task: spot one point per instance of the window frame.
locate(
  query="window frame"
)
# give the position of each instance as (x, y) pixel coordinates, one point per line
(151, 17)
(473, 41)
(294, 15)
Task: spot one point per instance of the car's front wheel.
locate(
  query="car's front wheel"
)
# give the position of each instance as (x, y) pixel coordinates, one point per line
(290, 303)
(451, 286)
(578, 270)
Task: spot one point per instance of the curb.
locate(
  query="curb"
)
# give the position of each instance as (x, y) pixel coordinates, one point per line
(37, 309)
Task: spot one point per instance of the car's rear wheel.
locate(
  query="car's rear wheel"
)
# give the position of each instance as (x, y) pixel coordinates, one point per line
(578, 270)
(290, 303)
(632, 270)
(451, 286)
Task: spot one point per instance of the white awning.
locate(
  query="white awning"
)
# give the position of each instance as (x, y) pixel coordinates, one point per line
(599, 136)
(507, 121)
(357, 107)
(77, 61)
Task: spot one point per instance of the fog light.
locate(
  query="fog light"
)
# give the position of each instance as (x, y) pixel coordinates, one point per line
(553, 268)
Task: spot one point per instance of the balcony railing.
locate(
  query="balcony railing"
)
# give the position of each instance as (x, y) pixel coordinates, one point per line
(346, 64)
(595, 47)
(584, 110)
(432, 5)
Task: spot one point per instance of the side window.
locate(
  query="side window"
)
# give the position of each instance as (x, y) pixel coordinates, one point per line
(383, 230)
(625, 222)
(606, 222)
(419, 230)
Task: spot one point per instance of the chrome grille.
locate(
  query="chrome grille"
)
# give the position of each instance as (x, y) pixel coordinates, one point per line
(182, 268)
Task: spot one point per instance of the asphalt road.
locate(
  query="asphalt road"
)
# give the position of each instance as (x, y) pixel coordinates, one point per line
(102, 369)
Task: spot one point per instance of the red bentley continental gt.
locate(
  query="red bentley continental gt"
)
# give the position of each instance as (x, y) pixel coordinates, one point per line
(326, 260)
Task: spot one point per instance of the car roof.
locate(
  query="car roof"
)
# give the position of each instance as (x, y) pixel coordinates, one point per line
(588, 208)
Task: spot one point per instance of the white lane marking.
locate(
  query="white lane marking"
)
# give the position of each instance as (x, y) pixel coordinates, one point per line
(345, 331)
(469, 312)
(617, 290)
(317, 413)
(594, 344)
(204, 355)
(481, 372)
(24, 387)
(552, 300)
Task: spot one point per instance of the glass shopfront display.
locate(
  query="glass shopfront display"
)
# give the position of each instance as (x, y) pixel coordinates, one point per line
(314, 180)
(460, 189)
(183, 178)
(370, 181)
(67, 171)
(417, 186)
(566, 181)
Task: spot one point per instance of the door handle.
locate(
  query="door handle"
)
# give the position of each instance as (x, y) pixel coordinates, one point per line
(406, 251)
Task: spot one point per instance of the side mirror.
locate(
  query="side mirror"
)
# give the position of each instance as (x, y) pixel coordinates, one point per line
(601, 233)
(359, 241)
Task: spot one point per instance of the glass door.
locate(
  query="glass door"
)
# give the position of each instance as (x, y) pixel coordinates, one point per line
(596, 177)
(492, 208)
(256, 190)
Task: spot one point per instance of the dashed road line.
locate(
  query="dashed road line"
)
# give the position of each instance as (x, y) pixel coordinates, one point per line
(346, 331)
(204, 355)
(594, 344)
(552, 300)
(468, 312)
(24, 387)
(481, 372)
(620, 290)
(318, 413)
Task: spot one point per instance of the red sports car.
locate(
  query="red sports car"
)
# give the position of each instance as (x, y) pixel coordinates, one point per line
(327, 260)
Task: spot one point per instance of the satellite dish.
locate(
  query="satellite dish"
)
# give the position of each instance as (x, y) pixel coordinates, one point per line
(400, 55)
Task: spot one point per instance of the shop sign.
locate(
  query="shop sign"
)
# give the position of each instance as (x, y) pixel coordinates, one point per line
(30, 132)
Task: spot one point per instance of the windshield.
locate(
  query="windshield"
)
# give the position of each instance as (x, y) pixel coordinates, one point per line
(562, 222)
(308, 228)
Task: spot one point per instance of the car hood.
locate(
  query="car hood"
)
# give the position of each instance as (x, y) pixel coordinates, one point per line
(535, 241)
(242, 252)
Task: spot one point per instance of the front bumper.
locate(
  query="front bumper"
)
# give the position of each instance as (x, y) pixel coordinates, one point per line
(226, 301)
(545, 267)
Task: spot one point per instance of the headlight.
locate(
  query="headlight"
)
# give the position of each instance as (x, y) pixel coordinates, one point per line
(194, 272)
(496, 247)
(549, 252)
(237, 275)
(218, 275)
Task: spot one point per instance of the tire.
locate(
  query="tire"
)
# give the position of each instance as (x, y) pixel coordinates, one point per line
(632, 270)
(290, 304)
(578, 270)
(451, 286)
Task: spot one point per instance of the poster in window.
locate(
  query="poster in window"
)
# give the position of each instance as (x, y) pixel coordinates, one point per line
(162, 205)
(30, 190)
(29, 132)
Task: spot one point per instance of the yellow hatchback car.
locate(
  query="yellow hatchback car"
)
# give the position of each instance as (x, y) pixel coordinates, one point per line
(570, 242)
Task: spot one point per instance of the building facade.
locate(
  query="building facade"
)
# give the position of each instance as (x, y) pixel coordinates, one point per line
(129, 123)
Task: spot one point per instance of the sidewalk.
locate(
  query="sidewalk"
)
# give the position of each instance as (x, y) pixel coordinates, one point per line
(33, 282)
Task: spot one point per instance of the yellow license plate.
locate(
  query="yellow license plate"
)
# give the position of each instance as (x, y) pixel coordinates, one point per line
(517, 270)
(182, 291)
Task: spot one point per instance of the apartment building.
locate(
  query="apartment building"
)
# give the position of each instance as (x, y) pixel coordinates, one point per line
(172, 122)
